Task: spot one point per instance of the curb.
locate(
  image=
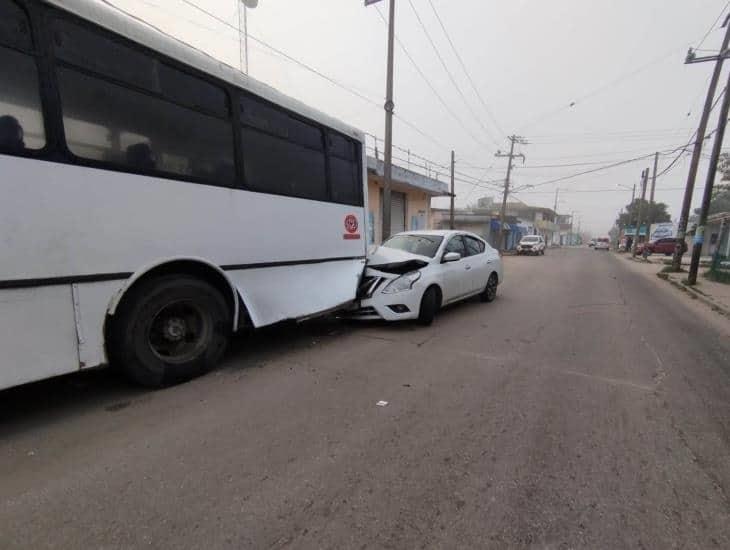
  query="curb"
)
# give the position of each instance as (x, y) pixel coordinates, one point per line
(696, 295)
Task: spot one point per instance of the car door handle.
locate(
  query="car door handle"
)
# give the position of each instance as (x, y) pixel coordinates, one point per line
(489, 261)
(468, 267)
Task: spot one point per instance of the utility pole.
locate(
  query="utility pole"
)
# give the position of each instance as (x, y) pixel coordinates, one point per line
(389, 106)
(555, 210)
(709, 183)
(513, 139)
(570, 235)
(701, 129)
(451, 213)
(651, 196)
(653, 178)
(644, 181)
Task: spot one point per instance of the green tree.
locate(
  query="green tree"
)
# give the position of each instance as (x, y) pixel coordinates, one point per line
(657, 213)
(721, 190)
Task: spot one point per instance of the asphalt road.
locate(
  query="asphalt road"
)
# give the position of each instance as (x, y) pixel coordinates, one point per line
(588, 407)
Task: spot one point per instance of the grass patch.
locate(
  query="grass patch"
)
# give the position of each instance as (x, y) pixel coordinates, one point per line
(663, 275)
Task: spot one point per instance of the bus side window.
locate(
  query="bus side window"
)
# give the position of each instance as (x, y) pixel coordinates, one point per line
(344, 168)
(21, 117)
(282, 154)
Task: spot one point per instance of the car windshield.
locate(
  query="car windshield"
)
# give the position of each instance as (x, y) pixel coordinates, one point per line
(530, 239)
(423, 245)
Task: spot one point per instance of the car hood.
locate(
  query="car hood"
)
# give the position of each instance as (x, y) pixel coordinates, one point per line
(390, 260)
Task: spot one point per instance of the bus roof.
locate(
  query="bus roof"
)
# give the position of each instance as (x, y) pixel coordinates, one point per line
(136, 29)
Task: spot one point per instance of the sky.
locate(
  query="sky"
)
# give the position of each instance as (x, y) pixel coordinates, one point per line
(587, 83)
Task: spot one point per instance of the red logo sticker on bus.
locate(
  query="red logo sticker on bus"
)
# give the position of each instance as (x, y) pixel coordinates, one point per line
(351, 226)
(351, 223)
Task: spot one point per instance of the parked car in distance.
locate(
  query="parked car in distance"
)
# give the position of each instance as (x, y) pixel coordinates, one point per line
(664, 246)
(531, 244)
(602, 243)
(592, 243)
(413, 274)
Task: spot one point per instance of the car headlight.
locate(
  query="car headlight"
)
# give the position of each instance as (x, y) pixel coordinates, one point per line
(404, 282)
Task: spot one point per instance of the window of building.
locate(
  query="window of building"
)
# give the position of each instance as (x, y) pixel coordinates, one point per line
(111, 123)
(21, 115)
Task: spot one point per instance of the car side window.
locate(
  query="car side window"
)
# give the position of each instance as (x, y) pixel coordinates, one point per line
(456, 244)
(473, 246)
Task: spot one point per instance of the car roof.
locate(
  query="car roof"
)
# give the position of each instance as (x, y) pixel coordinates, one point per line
(439, 232)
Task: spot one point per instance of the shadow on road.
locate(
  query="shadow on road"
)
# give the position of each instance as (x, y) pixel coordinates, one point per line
(26, 406)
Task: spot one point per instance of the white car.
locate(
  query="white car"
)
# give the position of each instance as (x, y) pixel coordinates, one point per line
(602, 243)
(531, 244)
(413, 274)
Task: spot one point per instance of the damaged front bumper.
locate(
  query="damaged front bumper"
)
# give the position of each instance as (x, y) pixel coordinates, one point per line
(373, 303)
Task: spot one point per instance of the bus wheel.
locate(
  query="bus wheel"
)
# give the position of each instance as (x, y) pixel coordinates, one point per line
(170, 329)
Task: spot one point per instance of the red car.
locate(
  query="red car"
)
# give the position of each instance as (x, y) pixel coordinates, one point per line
(661, 246)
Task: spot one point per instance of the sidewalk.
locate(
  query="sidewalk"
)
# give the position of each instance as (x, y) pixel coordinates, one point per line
(715, 295)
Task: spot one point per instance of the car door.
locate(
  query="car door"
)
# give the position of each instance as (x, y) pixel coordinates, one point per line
(478, 264)
(455, 275)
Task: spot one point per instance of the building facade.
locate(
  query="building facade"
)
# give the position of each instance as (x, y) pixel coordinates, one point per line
(411, 195)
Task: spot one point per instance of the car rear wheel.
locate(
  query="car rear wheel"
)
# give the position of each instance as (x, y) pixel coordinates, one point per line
(429, 306)
(490, 291)
(170, 329)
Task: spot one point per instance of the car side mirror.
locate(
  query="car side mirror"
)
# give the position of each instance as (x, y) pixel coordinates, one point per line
(451, 257)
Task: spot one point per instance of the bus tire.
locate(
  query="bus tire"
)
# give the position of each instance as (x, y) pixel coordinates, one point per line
(169, 329)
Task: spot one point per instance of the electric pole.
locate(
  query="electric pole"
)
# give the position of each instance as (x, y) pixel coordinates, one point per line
(700, 138)
(709, 183)
(644, 181)
(513, 139)
(451, 213)
(389, 107)
(651, 195)
(555, 210)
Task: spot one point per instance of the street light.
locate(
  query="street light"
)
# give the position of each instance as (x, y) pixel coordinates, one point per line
(243, 55)
(633, 190)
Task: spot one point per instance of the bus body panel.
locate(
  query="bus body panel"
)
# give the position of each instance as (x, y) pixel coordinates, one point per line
(62, 220)
(37, 334)
(66, 222)
(75, 233)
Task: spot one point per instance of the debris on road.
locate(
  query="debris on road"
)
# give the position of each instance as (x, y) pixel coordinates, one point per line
(382, 403)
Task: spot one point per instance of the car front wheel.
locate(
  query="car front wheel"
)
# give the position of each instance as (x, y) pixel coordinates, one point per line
(429, 306)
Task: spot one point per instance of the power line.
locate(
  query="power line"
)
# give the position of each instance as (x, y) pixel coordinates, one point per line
(282, 54)
(466, 72)
(428, 82)
(594, 170)
(600, 89)
(712, 27)
(449, 74)
(571, 191)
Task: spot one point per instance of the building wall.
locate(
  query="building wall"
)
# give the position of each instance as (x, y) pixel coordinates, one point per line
(418, 210)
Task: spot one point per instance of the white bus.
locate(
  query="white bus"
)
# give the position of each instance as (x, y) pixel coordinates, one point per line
(153, 201)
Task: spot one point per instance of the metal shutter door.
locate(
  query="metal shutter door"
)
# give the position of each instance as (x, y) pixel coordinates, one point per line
(397, 212)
